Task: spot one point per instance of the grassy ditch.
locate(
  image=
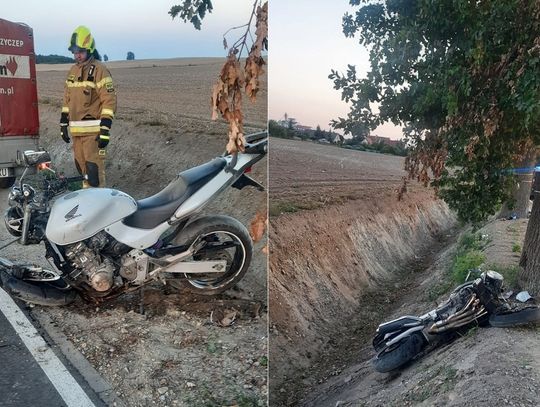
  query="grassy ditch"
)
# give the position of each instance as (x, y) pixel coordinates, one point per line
(469, 255)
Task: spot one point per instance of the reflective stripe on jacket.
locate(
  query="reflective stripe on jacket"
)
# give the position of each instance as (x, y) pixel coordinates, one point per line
(88, 101)
(84, 126)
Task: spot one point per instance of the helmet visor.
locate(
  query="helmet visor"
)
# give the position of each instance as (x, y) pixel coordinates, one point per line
(75, 49)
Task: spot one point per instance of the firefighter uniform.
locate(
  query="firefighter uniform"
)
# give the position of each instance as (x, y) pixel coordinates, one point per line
(88, 110)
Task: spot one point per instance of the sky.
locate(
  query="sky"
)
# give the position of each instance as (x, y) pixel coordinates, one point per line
(305, 43)
(141, 26)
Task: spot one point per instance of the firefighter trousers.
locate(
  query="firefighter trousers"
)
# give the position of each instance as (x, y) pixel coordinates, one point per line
(89, 159)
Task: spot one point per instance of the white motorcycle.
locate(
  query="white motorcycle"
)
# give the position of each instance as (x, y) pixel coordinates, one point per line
(101, 242)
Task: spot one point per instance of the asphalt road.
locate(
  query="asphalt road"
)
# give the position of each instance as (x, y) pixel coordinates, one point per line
(32, 372)
(22, 381)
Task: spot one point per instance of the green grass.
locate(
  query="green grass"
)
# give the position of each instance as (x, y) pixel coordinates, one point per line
(472, 331)
(277, 209)
(449, 377)
(49, 175)
(213, 346)
(472, 241)
(468, 256)
(468, 241)
(75, 186)
(263, 361)
(465, 262)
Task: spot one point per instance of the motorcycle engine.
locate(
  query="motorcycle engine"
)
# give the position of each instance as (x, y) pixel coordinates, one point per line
(489, 288)
(98, 270)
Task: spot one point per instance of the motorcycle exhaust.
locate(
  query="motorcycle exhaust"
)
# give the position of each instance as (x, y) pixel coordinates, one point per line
(471, 312)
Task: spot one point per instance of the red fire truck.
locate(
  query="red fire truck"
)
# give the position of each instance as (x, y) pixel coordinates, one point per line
(19, 119)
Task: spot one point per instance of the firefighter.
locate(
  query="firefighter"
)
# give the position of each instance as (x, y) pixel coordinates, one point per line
(88, 108)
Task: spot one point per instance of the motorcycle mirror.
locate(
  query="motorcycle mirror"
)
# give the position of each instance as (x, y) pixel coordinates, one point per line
(32, 158)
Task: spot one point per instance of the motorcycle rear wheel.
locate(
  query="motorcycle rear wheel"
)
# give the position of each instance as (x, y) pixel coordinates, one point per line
(399, 354)
(218, 230)
(521, 316)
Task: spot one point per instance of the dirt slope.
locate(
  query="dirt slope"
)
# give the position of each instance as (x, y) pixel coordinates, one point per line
(173, 355)
(486, 367)
(328, 263)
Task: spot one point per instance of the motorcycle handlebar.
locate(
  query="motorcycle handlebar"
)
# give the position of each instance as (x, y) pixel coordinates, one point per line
(75, 179)
(59, 185)
(250, 138)
(258, 148)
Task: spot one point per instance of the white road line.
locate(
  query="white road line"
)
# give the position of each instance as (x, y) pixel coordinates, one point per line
(62, 380)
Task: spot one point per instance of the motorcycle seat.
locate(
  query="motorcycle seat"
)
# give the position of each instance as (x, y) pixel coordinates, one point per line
(158, 208)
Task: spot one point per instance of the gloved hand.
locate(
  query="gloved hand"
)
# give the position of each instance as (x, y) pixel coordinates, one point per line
(103, 138)
(64, 121)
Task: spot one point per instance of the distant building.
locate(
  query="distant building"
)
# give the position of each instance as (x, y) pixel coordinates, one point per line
(336, 138)
(369, 140)
(302, 128)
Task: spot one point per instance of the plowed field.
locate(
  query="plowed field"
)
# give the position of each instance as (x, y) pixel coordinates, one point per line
(307, 175)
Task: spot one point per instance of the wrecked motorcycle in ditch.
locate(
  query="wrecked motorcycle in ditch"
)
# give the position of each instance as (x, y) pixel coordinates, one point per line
(478, 302)
(100, 242)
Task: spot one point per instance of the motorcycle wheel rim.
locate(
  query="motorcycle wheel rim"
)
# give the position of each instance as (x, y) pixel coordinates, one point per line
(237, 261)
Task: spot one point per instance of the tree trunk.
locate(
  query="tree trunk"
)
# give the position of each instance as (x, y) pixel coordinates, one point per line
(519, 207)
(529, 275)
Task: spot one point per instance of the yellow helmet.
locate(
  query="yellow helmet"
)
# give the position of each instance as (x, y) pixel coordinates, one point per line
(82, 39)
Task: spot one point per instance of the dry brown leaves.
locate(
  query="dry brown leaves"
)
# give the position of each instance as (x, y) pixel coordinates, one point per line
(493, 118)
(223, 318)
(258, 226)
(227, 101)
(471, 146)
(255, 62)
(427, 161)
(524, 148)
(227, 92)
